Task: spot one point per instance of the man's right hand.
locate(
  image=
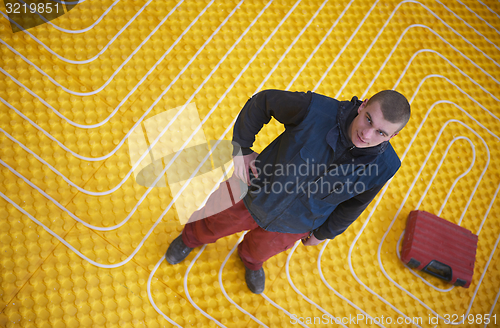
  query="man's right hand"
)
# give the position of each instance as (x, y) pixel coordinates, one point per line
(241, 165)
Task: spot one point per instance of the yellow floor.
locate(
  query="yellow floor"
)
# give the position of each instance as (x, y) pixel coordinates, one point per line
(78, 95)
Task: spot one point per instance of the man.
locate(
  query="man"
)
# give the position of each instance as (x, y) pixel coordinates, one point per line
(310, 183)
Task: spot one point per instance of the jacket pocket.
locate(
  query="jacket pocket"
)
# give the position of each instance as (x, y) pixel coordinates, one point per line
(345, 188)
(337, 196)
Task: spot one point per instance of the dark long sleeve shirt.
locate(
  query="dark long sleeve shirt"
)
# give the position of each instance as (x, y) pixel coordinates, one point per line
(290, 108)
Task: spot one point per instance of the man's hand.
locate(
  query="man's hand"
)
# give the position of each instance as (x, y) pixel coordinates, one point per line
(241, 165)
(311, 241)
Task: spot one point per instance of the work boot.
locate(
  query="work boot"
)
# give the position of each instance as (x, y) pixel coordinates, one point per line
(256, 280)
(177, 251)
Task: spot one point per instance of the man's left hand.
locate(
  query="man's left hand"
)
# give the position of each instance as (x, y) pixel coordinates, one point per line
(311, 241)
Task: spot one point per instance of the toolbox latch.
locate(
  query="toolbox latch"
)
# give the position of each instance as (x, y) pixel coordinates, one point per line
(439, 269)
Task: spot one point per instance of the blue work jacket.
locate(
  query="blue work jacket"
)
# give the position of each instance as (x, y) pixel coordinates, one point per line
(311, 177)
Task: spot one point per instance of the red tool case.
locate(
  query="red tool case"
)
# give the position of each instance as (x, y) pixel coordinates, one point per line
(440, 248)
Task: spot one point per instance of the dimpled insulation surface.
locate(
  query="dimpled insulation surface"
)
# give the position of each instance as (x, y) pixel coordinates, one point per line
(82, 240)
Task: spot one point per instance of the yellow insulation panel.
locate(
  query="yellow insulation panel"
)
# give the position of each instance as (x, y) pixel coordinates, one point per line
(99, 105)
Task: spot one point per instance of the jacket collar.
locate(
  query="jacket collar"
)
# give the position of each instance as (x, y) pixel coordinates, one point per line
(346, 113)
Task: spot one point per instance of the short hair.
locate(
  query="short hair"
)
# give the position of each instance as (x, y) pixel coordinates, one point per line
(395, 107)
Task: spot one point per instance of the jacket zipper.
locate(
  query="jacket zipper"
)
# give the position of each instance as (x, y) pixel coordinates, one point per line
(345, 151)
(328, 170)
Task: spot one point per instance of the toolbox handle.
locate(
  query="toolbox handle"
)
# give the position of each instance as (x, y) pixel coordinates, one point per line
(439, 269)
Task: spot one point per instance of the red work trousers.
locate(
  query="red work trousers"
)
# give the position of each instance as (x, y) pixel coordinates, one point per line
(225, 214)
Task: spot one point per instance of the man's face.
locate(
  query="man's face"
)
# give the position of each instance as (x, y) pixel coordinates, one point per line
(369, 128)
